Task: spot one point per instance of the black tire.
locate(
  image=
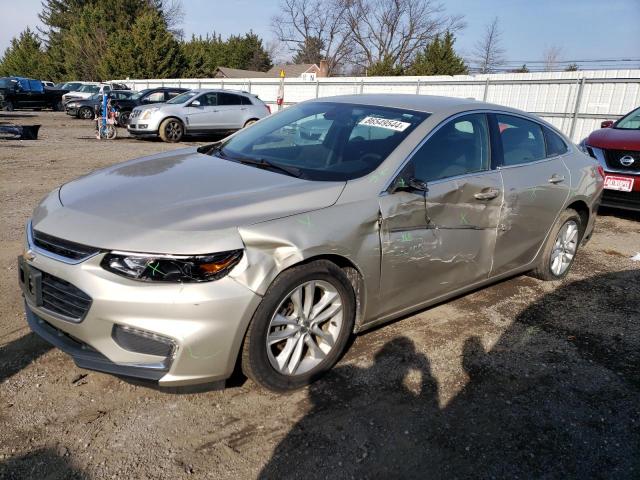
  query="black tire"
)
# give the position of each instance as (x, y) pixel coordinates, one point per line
(255, 361)
(544, 269)
(171, 130)
(85, 113)
(123, 118)
(58, 106)
(8, 106)
(250, 122)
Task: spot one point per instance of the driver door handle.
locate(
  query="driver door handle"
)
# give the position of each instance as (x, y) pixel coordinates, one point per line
(487, 194)
(556, 178)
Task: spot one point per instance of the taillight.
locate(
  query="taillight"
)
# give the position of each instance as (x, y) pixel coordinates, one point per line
(268, 108)
(601, 171)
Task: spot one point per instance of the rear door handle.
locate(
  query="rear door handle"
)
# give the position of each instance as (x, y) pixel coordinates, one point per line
(487, 194)
(556, 179)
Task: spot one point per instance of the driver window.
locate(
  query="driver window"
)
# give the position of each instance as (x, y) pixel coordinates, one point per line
(456, 148)
(208, 100)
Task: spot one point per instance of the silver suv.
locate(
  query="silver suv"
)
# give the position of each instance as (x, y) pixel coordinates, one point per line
(197, 112)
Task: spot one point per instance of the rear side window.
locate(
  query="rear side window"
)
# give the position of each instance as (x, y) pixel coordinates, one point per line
(245, 100)
(457, 148)
(229, 99)
(522, 140)
(555, 144)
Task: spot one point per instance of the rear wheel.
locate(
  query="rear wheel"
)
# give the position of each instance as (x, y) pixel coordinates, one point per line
(250, 122)
(58, 106)
(301, 327)
(8, 106)
(561, 247)
(86, 113)
(171, 130)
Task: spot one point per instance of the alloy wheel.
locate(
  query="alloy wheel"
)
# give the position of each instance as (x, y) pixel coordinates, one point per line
(304, 328)
(173, 131)
(565, 248)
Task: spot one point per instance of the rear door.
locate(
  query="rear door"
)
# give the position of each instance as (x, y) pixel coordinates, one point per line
(536, 183)
(232, 112)
(436, 242)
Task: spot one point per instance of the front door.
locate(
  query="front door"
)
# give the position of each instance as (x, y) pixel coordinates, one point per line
(205, 114)
(536, 188)
(441, 240)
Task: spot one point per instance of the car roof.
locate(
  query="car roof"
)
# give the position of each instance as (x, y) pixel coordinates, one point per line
(220, 90)
(420, 103)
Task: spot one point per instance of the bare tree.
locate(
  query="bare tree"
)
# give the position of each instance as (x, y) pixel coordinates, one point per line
(393, 31)
(303, 21)
(551, 57)
(173, 13)
(488, 53)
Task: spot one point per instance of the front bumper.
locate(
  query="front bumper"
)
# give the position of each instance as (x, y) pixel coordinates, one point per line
(205, 321)
(71, 111)
(147, 127)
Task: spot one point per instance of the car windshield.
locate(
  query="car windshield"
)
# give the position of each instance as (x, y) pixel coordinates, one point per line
(89, 88)
(183, 97)
(324, 141)
(630, 122)
(95, 96)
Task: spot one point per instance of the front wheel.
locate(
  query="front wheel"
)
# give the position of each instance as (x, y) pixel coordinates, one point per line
(301, 327)
(108, 132)
(123, 118)
(86, 113)
(58, 106)
(562, 245)
(8, 106)
(171, 130)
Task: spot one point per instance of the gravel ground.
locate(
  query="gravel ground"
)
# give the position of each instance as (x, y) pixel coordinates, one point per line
(523, 379)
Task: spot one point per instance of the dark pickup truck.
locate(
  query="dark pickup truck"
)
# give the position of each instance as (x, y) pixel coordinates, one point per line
(19, 92)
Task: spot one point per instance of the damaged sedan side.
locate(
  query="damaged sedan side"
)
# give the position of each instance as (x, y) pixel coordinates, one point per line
(276, 244)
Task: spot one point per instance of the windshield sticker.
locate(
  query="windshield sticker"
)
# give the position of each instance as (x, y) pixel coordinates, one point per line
(396, 125)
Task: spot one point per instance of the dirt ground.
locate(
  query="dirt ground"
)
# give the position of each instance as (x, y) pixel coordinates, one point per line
(524, 379)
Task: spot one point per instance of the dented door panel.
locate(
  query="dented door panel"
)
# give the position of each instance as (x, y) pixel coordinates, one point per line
(435, 244)
(531, 205)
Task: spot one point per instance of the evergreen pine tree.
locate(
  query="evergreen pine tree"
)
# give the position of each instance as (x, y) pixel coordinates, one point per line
(439, 58)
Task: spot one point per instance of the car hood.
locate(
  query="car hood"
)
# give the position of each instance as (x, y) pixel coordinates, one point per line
(616, 138)
(166, 108)
(180, 202)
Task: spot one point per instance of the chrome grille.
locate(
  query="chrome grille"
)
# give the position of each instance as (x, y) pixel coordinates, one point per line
(613, 160)
(64, 248)
(62, 298)
(135, 114)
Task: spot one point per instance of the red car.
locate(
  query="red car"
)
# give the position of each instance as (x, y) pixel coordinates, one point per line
(617, 147)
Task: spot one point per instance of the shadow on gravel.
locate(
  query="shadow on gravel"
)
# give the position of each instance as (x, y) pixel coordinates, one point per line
(16, 355)
(40, 464)
(558, 396)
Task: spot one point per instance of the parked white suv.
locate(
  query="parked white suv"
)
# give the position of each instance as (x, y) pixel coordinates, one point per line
(89, 89)
(197, 112)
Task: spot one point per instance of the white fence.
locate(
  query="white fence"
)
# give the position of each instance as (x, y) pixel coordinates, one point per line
(575, 102)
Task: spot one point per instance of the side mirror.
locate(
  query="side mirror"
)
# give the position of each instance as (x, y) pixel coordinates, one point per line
(411, 185)
(195, 103)
(606, 124)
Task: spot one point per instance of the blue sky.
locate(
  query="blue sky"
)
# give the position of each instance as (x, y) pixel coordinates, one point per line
(583, 29)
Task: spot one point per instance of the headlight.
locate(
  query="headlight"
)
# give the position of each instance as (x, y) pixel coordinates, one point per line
(148, 113)
(170, 268)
